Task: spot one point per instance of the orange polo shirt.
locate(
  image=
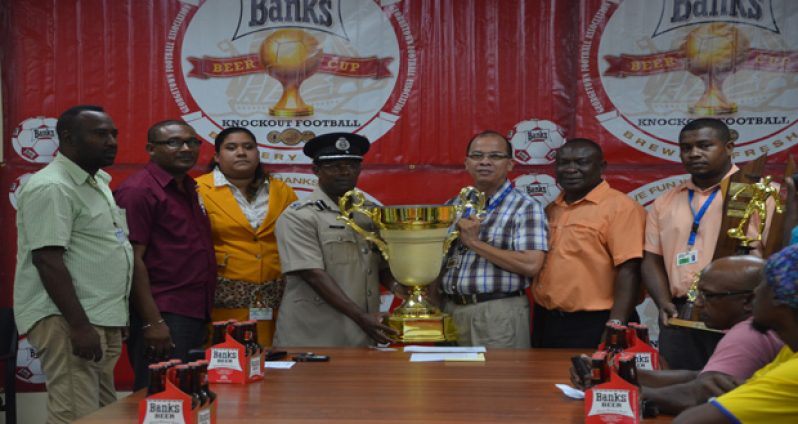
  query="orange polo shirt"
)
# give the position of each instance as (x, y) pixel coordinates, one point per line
(668, 229)
(588, 239)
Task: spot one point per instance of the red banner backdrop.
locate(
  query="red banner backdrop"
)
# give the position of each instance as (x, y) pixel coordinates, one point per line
(419, 78)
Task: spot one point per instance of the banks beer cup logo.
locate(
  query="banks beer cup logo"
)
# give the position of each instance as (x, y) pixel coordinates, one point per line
(290, 70)
(730, 59)
(35, 139)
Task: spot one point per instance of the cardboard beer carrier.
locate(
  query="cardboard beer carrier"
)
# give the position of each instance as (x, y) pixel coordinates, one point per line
(172, 405)
(232, 361)
(614, 396)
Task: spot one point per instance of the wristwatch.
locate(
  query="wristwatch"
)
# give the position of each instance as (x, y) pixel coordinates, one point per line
(614, 322)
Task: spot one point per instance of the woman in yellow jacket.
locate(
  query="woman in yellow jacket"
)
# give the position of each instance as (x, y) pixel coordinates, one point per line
(243, 203)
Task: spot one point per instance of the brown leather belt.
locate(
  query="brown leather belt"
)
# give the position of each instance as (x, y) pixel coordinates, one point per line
(470, 299)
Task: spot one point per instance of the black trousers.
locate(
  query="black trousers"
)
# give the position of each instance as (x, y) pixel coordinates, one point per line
(581, 329)
(187, 333)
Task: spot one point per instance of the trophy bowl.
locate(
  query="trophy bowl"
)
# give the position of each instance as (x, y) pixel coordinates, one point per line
(413, 239)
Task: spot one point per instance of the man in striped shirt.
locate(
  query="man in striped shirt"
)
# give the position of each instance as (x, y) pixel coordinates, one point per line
(489, 267)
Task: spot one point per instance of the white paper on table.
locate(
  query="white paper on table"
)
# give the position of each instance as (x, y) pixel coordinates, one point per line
(281, 365)
(570, 391)
(441, 349)
(447, 357)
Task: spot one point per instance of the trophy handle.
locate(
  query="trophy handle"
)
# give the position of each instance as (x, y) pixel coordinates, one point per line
(471, 198)
(447, 244)
(356, 199)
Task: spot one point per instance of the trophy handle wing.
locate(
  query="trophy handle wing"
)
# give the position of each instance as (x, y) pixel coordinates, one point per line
(471, 199)
(352, 201)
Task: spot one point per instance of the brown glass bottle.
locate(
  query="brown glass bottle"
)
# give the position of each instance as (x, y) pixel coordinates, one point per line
(641, 331)
(196, 385)
(156, 379)
(627, 368)
(184, 384)
(598, 368)
(251, 334)
(204, 383)
(219, 330)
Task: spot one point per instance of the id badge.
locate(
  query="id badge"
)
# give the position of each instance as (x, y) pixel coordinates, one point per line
(454, 261)
(260, 314)
(687, 258)
(120, 235)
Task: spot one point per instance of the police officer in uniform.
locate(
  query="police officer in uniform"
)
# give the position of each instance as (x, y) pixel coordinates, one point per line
(332, 291)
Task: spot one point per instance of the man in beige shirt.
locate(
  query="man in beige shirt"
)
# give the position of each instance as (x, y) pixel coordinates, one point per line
(74, 267)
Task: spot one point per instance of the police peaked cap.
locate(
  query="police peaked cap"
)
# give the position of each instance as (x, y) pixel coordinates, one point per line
(336, 146)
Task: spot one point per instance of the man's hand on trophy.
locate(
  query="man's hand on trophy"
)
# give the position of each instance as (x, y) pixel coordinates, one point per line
(372, 324)
(469, 230)
(666, 312)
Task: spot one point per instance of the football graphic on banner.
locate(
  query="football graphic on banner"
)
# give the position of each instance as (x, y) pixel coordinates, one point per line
(35, 139)
(13, 191)
(542, 188)
(535, 141)
(29, 367)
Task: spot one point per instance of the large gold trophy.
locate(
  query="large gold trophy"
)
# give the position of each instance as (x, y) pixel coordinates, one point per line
(414, 239)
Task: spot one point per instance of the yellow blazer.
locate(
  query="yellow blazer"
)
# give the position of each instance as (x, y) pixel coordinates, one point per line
(243, 253)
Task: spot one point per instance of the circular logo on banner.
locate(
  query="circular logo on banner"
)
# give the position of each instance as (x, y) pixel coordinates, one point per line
(35, 139)
(29, 367)
(646, 194)
(542, 188)
(536, 141)
(290, 70)
(650, 67)
(13, 191)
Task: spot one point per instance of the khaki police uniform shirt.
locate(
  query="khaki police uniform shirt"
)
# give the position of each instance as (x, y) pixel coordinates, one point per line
(310, 237)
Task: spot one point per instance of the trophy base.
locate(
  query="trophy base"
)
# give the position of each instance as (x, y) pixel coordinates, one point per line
(430, 329)
(695, 325)
(289, 112)
(713, 110)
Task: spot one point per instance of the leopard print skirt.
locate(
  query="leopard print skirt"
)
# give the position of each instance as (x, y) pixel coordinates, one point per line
(235, 294)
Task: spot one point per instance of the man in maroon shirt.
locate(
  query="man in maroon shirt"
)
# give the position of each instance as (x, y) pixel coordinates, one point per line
(174, 265)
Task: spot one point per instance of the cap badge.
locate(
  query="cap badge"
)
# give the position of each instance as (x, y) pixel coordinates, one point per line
(342, 144)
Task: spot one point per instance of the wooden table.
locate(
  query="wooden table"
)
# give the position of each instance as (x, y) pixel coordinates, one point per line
(367, 385)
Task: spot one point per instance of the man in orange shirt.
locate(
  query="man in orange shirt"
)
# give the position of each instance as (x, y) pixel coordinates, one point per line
(682, 230)
(591, 274)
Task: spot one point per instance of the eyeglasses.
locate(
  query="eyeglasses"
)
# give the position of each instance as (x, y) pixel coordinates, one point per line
(176, 143)
(339, 167)
(705, 295)
(493, 157)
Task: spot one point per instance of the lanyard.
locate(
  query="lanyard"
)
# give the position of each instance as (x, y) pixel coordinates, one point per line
(697, 216)
(495, 202)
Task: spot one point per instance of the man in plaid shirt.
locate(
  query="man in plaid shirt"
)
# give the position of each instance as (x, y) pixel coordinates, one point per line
(489, 267)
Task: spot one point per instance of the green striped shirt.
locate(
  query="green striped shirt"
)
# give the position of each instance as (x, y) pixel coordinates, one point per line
(62, 205)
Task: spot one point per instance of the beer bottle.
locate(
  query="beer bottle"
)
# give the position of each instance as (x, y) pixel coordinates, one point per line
(196, 385)
(156, 376)
(252, 336)
(219, 330)
(641, 331)
(204, 384)
(184, 384)
(627, 368)
(614, 334)
(598, 368)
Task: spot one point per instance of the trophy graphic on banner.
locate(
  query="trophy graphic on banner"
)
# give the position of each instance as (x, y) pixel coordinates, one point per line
(414, 240)
(291, 56)
(745, 196)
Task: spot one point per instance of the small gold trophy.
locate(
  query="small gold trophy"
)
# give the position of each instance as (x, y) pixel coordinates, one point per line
(713, 52)
(291, 56)
(414, 239)
(759, 193)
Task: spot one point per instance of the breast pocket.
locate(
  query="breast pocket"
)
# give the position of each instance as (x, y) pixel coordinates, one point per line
(339, 246)
(577, 235)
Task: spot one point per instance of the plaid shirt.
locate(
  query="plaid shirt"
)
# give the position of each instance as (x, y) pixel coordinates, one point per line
(516, 223)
